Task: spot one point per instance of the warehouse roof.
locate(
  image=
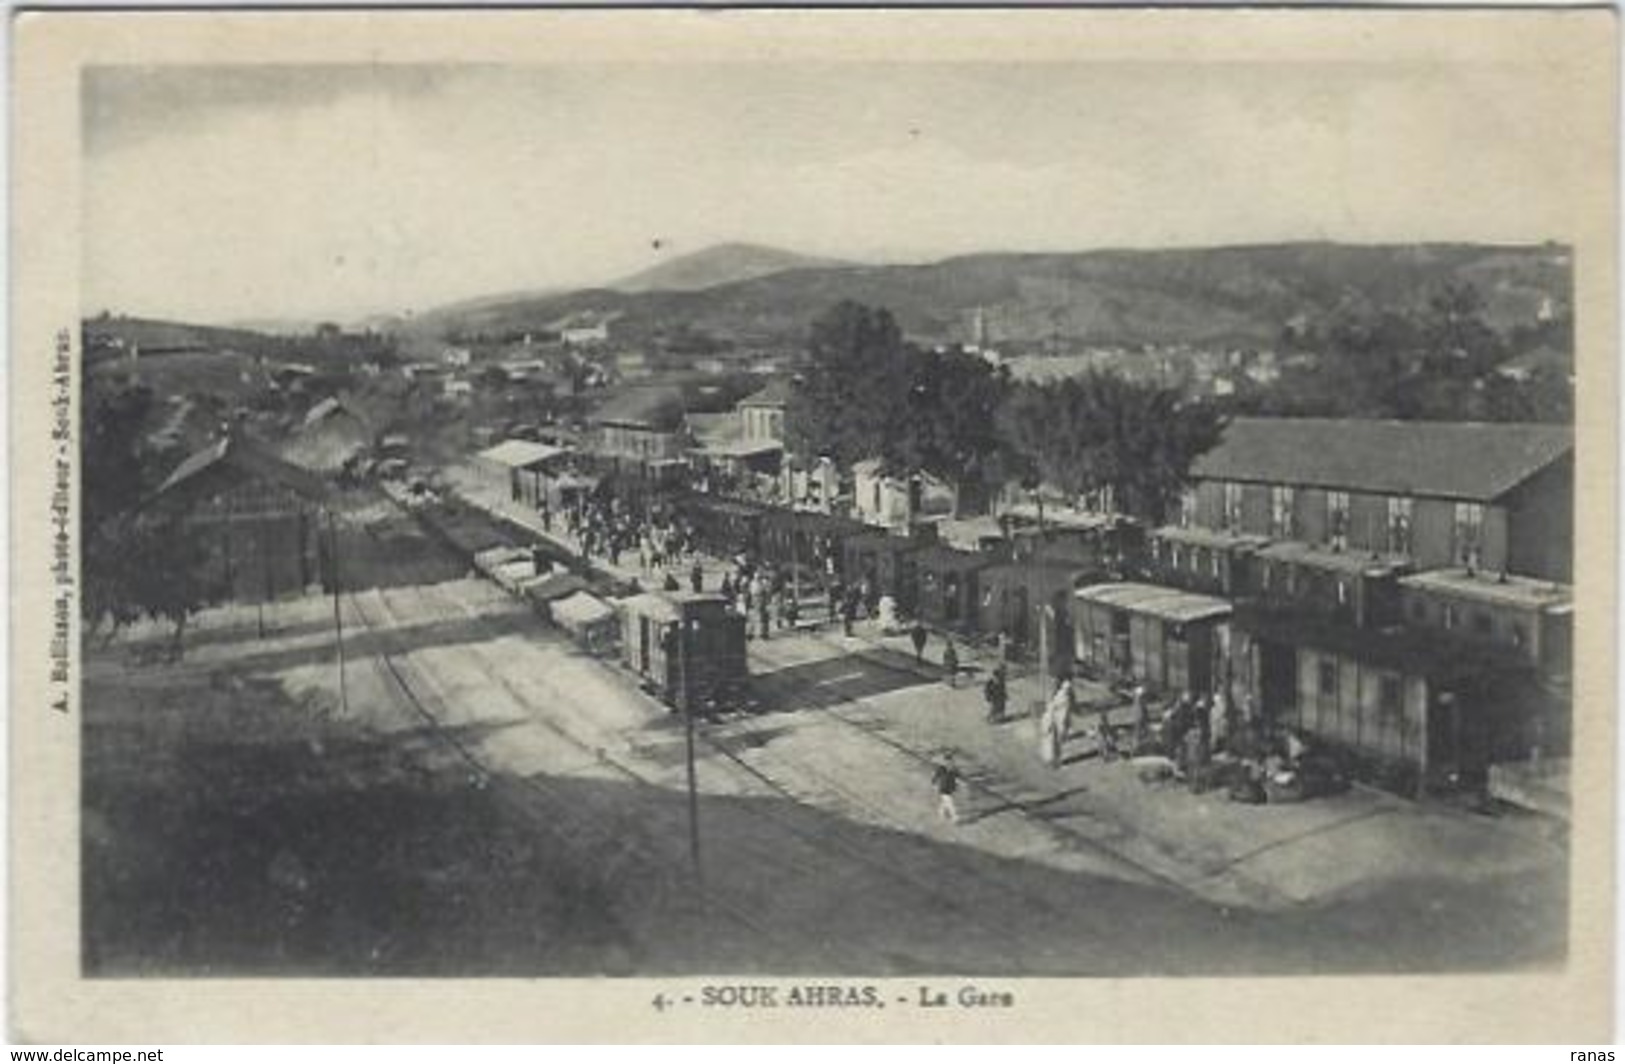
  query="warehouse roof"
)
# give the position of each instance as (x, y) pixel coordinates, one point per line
(1477, 461)
(233, 454)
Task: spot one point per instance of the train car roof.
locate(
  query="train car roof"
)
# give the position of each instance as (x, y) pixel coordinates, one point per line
(1165, 603)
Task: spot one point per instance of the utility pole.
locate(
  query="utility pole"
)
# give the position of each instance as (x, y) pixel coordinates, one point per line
(338, 614)
(1042, 612)
(687, 702)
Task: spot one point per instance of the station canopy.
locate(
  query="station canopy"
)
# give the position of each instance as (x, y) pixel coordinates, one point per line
(520, 454)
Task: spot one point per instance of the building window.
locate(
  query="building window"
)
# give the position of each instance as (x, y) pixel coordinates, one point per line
(1187, 507)
(1214, 562)
(1282, 525)
(1469, 530)
(1520, 637)
(1328, 677)
(1450, 617)
(1337, 519)
(1399, 526)
(1179, 559)
(1232, 507)
(1390, 697)
(1342, 592)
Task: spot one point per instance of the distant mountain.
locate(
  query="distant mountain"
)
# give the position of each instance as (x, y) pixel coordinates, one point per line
(276, 326)
(719, 265)
(1228, 295)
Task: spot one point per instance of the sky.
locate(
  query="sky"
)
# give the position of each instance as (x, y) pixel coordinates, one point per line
(222, 194)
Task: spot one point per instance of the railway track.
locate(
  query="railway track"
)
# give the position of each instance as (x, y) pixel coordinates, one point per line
(982, 908)
(578, 826)
(761, 850)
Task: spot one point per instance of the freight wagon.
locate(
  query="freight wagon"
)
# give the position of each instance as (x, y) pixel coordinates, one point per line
(1170, 640)
(688, 648)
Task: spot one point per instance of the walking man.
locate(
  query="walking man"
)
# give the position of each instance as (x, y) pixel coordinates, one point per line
(696, 578)
(997, 694)
(945, 778)
(918, 634)
(950, 662)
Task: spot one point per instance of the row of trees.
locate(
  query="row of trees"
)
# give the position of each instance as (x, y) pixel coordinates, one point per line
(869, 393)
(1443, 361)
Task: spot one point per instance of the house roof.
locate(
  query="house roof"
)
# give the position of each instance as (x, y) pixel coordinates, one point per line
(722, 435)
(775, 393)
(520, 454)
(1474, 461)
(234, 455)
(1169, 604)
(655, 407)
(327, 406)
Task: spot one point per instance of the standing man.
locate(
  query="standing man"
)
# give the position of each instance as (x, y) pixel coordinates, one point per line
(950, 662)
(696, 577)
(1142, 720)
(918, 634)
(849, 613)
(1057, 723)
(945, 778)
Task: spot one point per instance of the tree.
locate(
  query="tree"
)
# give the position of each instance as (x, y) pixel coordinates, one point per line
(135, 562)
(1105, 431)
(868, 393)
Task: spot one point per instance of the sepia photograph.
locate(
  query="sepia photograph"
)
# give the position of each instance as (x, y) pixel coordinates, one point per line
(816, 530)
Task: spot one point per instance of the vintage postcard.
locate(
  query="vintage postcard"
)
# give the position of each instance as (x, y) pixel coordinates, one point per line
(660, 525)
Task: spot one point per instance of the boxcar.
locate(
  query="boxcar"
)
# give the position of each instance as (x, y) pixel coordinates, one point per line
(807, 538)
(885, 560)
(947, 581)
(1169, 640)
(724, 527)
(1014, 595)
(686, 647)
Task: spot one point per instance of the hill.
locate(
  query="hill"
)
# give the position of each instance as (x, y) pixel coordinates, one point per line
(719, 265)
(1243, 295)
(108, 333)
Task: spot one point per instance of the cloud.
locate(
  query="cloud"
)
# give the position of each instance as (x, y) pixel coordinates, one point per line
(345, 190)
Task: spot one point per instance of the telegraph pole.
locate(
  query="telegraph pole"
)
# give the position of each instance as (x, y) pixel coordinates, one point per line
(1041, 614)
(338, 614)
(688, 734)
